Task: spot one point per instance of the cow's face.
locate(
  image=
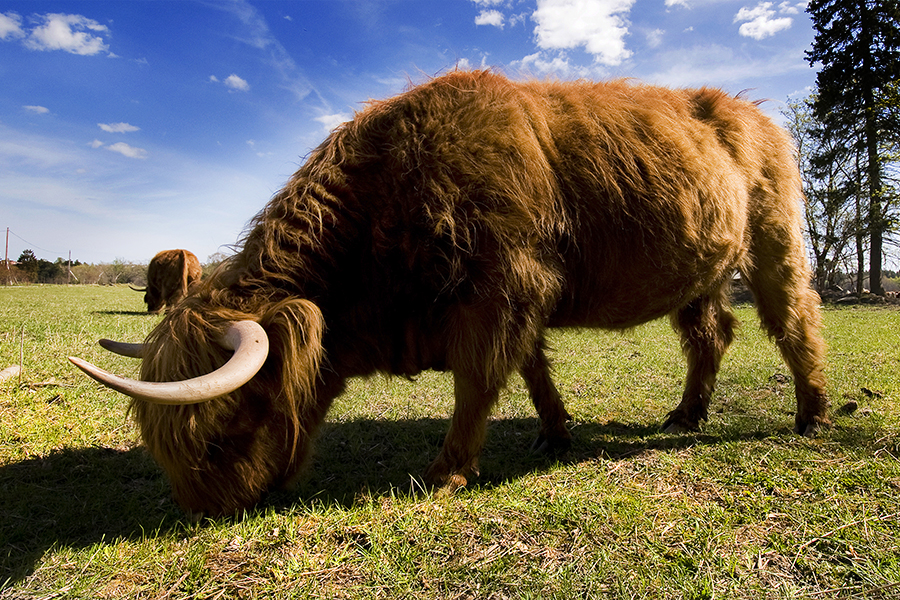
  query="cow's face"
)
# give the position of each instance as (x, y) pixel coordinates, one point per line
(236, 418)
(153, 300)
(222, 456)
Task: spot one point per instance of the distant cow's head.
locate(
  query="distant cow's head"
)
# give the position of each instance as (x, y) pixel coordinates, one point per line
(169, 277)
(154, 301)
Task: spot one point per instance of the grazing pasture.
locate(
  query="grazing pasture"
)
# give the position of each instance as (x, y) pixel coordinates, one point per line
(742, 509)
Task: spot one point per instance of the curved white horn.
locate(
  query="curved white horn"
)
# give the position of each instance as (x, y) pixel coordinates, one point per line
(143, 289)
(123, 349)
(250, 344)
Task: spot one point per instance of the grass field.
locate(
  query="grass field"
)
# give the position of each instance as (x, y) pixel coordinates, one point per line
(742, 509)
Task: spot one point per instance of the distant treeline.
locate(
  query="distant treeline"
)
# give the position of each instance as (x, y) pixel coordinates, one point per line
(30, 269)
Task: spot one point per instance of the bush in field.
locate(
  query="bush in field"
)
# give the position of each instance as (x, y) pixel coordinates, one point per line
(12, 274)
(88, 274)
(123, 272)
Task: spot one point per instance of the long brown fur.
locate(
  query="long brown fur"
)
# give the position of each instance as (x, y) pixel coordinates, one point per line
(448, 227)
(170, 275)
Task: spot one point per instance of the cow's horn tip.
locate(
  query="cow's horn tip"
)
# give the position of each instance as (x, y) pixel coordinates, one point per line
(77, 362)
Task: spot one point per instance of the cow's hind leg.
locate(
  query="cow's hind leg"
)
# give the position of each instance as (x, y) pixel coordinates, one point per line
(789, 311)
(707, 326)
(459, 455)
(554, 436)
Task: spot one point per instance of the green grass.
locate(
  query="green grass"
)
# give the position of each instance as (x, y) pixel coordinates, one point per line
(742, 509)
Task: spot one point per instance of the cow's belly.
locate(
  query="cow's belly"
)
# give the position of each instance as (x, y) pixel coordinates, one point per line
(639, 290)
(616, 309)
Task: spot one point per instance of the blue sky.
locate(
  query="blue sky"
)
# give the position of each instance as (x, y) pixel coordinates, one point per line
(128, 127)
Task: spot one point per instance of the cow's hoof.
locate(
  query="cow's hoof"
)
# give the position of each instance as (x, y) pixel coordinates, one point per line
(812, 428)
(673, 428)
(677, 423)
(453, 483)
(441, 475)
(551, 445)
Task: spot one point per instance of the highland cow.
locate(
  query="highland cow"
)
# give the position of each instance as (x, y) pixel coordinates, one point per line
(447, 228)
(170, 275)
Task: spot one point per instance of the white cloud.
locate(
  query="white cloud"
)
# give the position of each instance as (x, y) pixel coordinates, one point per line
(126, 150)
(681, 3)
(236, 83)
(761, 21)
(96, 144)
(538, 61)
(655, 38)
(70, 33)
(11, 26)
(600, 26)
(232, 81)
(519, 18)
(39, 110)
(489, 2)
(559, 66)
(118, 127)
(332, 121)
(490, 17)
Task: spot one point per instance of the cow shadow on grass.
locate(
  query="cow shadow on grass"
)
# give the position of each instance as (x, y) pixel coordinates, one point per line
(78, 497)
(374, 457)
(75, 498)
(127, 313)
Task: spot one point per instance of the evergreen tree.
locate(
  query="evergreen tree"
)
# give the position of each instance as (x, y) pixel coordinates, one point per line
(28, 264)
(858, 45)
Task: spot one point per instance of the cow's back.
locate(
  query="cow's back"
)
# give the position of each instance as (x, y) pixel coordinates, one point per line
(636, 197)
(661, 187)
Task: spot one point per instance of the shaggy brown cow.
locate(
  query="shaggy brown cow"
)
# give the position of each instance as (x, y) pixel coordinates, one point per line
(169, 276)
(447, 228)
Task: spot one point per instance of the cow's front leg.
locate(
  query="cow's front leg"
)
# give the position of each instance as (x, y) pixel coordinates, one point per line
(458, 458)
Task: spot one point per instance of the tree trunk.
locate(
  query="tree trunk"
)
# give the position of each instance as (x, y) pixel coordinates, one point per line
(873, 166)
(860, 249)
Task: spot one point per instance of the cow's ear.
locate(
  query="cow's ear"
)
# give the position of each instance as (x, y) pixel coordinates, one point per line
(295, 328)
